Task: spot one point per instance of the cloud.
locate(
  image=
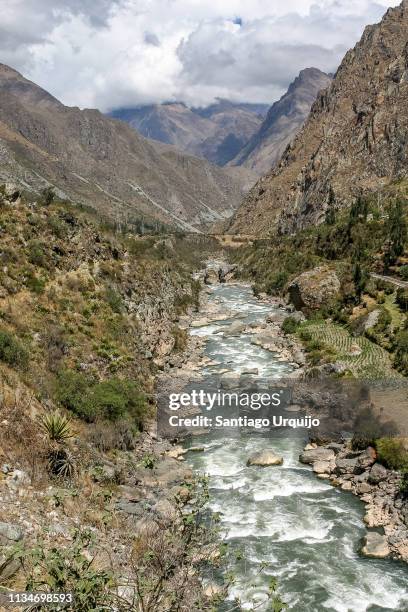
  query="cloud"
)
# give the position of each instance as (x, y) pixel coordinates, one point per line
(110, 53)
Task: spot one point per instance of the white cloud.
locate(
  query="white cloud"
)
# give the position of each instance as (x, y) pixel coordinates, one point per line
(110, 53)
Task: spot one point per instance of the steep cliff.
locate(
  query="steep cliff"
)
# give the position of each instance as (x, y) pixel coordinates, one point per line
(354, 140)
(282, 123)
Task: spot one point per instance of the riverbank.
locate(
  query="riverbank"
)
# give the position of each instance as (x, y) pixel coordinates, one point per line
(226, 344)
(379, 488)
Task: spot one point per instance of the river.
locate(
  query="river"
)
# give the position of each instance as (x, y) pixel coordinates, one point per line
(307, 531)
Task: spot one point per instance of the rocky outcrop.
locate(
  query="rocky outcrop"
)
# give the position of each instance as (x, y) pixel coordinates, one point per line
(314, 288)
(353, 142)
(378, 487)
(283, 121)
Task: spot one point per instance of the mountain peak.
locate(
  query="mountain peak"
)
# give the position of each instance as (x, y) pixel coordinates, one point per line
(353, 142)
(284, 119)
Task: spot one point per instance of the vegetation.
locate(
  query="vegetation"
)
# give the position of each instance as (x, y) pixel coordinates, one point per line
(392, 453)
(12, 351)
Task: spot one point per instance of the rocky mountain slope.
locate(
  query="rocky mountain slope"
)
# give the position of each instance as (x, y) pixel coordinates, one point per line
(282, 123)
(353, 142)
(215, 133)
(91, 159)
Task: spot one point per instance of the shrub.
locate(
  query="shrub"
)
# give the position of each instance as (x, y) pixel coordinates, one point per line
(290, 325)
(404, 272)
(68, 569)
(392, 453)
(110, 399)
(402, 299)
(361, 441)
(71, 392)
(47, 196)
(35, 283)
(403, 487)
(401, 351)
(36, 253)
(115, 398)
(114, 300)
(12, 351)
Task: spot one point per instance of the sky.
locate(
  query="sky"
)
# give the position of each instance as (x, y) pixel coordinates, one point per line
(108, 54)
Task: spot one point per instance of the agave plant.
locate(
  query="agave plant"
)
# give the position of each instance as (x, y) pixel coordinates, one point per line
(57, 427)
(61, 462)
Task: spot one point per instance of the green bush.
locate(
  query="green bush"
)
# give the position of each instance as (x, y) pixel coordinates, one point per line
(69, 569)
(392, 453)
(290, 325)
(402, 299)
(110, 399)
(12, 351)
(401, 352)
(71, 392)
(404, 272)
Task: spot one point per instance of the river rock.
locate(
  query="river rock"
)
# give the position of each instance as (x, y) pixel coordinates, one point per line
(367, 458)
(348, 466)
(323, 467)
(265, 458)
(378, 473)
(211, 276)
(176, 452)
(235, 329)
(316, 454)
(375, 545)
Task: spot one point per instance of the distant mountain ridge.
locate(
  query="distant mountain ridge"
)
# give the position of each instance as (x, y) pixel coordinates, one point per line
(354, 142)
(282, 123)
(216, 133)
(91, 159)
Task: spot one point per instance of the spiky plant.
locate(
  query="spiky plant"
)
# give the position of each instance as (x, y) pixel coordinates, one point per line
(61, 462)
(57, 427)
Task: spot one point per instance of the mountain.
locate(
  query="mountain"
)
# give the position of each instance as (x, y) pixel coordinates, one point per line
(94, 160)
(216, 132)
(353, 142)
(282, 123)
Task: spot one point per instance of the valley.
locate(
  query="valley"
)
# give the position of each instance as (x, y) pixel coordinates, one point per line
(159, 253)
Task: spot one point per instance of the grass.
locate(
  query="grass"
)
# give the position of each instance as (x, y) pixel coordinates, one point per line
(372, 363)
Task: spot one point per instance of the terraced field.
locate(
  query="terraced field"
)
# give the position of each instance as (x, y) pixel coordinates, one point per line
(364, 358)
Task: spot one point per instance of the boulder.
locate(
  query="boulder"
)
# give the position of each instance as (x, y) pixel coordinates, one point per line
(375, 545)
(367, 458)
(235, 329)
(211, 276)
(322, 467)
(316, 454)
(8, 566)
(265, 458)
(377, 474)
(348, 466)
(314, 288)
(10, 532)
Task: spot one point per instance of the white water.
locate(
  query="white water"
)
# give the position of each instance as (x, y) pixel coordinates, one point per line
(306, 530)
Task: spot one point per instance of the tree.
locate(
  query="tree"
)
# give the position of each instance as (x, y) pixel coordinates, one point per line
(396, 233)
(330, 212)
(359, 279)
